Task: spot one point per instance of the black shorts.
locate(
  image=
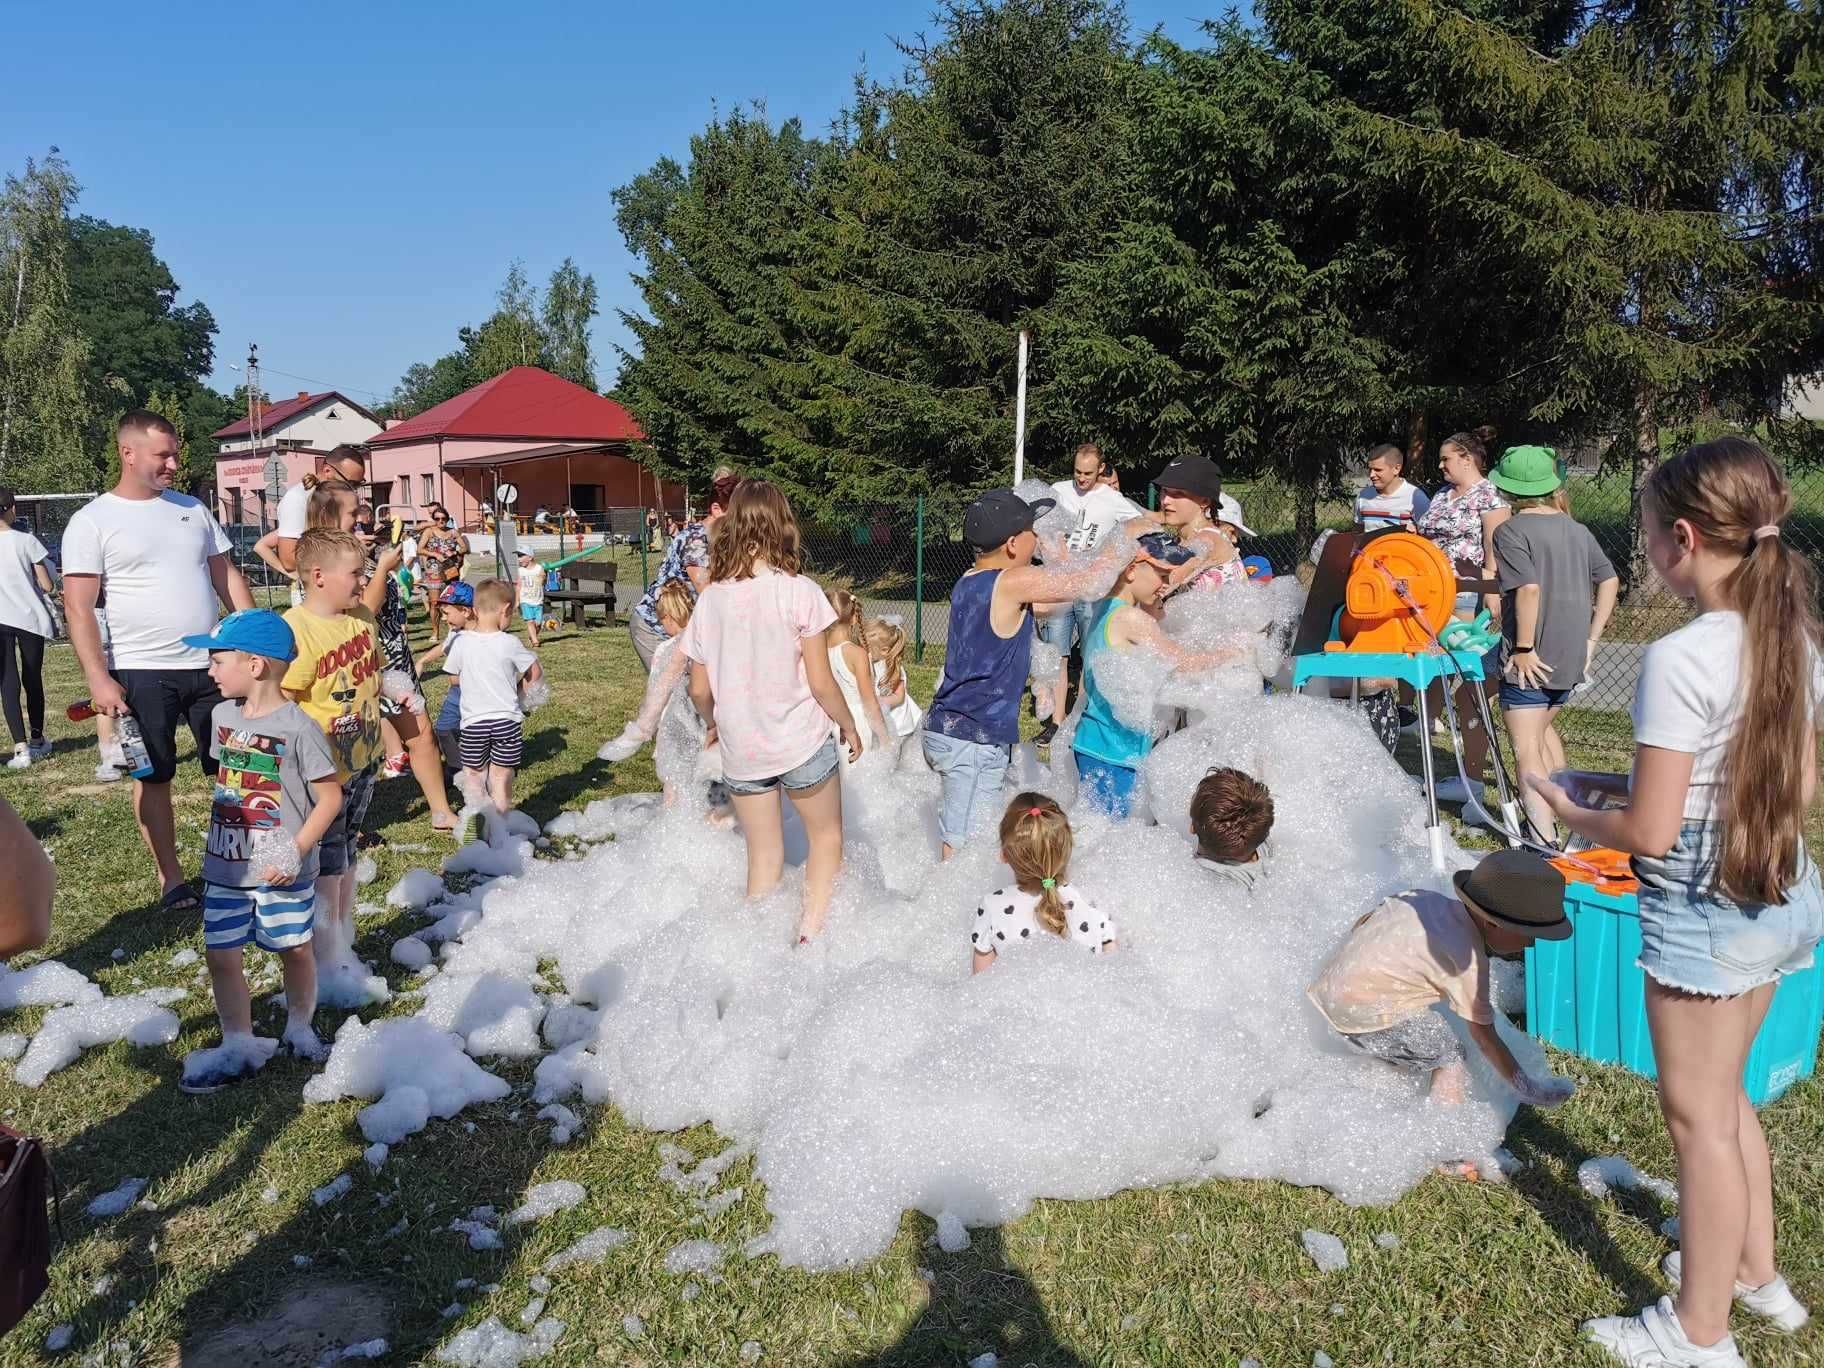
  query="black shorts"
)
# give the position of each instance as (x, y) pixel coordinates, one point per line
(160, 700)
(336, 851)
(498, 741)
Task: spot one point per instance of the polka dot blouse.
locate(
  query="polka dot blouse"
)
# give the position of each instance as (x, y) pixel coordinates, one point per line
(1008, 916)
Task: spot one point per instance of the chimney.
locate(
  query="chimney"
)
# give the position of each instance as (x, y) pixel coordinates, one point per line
(303, 395)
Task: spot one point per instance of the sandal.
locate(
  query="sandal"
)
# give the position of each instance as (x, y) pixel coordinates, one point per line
(180, 898)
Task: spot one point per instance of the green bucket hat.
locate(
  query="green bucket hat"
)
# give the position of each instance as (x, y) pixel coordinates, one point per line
(1527, 470)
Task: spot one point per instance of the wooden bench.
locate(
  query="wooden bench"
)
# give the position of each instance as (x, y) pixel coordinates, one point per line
(585, 582)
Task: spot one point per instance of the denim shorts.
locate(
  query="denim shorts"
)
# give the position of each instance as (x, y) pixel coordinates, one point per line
(1108, 788)
(971, 774)
(811, 773)
(1061, 628)
(1696, 938)
(1519, 696)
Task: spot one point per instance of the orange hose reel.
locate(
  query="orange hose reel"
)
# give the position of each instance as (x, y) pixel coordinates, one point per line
(1376, 615)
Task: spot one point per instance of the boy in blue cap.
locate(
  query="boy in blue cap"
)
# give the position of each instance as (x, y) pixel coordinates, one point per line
(974, 720)
(458, 600)
(276, 794)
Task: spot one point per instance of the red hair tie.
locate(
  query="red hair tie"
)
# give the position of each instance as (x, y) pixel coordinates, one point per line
(1035, 812)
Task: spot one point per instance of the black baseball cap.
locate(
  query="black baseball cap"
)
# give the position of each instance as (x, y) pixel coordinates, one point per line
(1194, 475)
(1000, 514)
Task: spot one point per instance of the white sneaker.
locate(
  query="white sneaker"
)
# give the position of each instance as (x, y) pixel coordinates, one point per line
(1772, 1302)
(1454, 790)
(107, 774)
(40, 749)
(1655, 1339)
(22, 757)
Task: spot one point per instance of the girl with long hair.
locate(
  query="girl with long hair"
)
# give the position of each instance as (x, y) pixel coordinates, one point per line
(760, 675)
(853, 671)
(1725, 766)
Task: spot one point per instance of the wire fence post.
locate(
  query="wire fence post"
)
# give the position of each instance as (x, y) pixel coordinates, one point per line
(918, 586)
(645, 576)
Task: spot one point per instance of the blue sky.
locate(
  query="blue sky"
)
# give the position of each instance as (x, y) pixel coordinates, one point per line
(346, 183)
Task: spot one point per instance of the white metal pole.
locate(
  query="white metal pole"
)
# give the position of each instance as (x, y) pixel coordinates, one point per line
(1019, 414)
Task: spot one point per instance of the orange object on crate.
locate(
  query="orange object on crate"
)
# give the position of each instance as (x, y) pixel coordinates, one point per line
(1400, 593)
(1608, 870)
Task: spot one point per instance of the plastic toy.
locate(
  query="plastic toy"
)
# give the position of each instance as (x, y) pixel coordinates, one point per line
(1475, 636)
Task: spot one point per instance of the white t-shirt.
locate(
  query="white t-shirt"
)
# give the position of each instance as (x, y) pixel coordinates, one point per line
(1007, 916)
(1093, 513)
(22, 606)
(489, 665)
(1689, 699)
(153, 559)
(1401, 508)
(294, 511)
(532, 584)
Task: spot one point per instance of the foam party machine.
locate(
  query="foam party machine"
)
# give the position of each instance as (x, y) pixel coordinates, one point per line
(1380, 609)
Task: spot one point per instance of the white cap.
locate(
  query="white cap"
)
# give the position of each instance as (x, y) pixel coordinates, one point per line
(1228, 509)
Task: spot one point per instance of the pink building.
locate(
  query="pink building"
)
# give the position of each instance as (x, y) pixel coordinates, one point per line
(300, 432)
(558, 443)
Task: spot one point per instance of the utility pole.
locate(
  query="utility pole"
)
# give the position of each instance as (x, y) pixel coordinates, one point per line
(6, 420)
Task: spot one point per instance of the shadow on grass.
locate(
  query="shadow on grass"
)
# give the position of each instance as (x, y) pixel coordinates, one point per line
(980, 1302)
(1573, 1214)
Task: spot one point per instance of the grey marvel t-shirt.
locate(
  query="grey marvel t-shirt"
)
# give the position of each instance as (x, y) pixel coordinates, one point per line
(267, 765)
(1559, 554)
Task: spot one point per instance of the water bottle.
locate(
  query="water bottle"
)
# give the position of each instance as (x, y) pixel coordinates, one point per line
(135, 759)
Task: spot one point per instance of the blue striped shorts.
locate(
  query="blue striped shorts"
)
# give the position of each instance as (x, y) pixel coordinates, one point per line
(273, 918)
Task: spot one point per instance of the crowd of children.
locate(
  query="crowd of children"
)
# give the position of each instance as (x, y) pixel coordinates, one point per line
(766, 687)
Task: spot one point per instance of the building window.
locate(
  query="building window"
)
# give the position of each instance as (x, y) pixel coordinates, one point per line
(430, 489)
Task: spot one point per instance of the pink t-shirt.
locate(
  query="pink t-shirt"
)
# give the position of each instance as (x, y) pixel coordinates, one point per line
(748, 634)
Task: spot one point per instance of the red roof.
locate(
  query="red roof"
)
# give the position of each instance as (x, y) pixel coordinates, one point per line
(525, 404)
(274, 414)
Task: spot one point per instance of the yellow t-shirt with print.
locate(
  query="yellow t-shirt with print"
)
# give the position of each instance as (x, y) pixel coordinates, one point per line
(336, 680)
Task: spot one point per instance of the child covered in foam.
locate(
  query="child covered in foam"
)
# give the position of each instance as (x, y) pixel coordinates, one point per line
(1036, 843)
(686, 748)
(1231, 817)
(1419, 948)
(887, 650)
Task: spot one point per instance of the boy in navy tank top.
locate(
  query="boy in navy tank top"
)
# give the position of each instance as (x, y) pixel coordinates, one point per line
(974, 721)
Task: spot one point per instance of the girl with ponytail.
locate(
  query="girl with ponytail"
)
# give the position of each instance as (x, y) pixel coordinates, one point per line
(1726, 716)
(1035, 845)
(847, 639)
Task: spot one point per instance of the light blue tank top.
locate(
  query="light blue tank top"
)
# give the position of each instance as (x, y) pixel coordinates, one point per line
(1100, 734)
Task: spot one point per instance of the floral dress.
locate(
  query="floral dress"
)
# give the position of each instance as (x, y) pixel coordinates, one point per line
(1454, 520)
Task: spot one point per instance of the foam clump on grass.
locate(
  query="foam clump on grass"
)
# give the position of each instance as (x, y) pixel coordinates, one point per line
(547, 1199)
(492, 1345)
(606, 817)
(13, 1044)
(1605, 1173)
(868, 1073)
(418, 888)
(117, 1199)
(47, 984)
(592, 1248)
(137, 1018)
(413, 1069)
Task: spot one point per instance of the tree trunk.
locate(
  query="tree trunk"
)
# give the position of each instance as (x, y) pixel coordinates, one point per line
(1418, 432)
(1637, 577)
(1304, 518)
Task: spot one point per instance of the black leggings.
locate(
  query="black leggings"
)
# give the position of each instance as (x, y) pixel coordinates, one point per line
(30, 669)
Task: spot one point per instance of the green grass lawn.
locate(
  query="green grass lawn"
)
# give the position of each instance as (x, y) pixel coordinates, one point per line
(1483, 1274)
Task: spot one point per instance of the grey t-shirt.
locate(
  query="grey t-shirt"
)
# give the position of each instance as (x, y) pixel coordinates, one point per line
(1559, 554)
(267, 765)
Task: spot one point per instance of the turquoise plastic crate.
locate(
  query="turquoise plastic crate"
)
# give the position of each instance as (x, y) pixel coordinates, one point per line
(1588, 996)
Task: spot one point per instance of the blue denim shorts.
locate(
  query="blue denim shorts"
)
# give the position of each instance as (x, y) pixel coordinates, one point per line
(1696, 938)
(1519, 696)
(811, 773)
(971, 774)
(1106, 787)
(1060, 629)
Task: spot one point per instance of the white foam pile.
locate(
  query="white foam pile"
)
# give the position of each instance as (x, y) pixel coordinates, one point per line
(137, 1018)
(869, 1073)
(592, 1248)
(547, 1199)
(118, 1199)
(46, 984)
(492, 1345)
(1602, 1175)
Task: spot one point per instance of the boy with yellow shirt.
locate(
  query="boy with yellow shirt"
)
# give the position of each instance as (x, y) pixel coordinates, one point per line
(336, 680)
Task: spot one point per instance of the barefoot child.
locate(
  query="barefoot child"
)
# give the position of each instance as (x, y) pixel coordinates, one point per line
(1419, 948)
(1035, 844)
(276, 793)
(854, 670)
(335, 679)
(1726, 717)
(1108, 751)
(1231, 817)
(491, 665)
(760, 675)
(974, 721)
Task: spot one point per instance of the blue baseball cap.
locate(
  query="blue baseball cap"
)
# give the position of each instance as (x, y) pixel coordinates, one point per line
(458, 592)
(257, 631)
(1164, 548)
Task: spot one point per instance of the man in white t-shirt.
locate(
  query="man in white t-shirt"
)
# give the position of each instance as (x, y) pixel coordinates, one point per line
(347, 466)
(1094, 506)
(163, 563)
